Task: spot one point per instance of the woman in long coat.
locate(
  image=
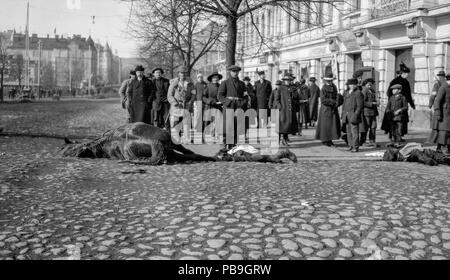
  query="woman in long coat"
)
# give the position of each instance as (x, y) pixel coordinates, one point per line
(284, 101)
(212, 106)
(441, 118)
(329, 125)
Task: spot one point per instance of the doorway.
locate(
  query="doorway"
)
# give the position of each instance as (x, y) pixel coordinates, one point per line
(405, 56)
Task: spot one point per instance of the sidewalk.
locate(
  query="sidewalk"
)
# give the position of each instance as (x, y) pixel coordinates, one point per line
(307, 148)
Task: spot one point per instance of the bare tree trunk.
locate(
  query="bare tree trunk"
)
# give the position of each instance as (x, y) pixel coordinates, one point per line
(1, 86)
(231, 41)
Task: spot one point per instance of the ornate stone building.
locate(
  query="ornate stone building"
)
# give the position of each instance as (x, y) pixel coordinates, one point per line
(356, 33)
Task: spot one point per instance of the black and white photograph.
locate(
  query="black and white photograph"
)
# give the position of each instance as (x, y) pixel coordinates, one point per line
(212, 133)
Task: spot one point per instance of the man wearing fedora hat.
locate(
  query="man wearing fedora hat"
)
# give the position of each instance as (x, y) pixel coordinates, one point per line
(232, 95)
(140, 95)
(314, 92)
(263, 89)
(161, 106)
(181, 97)
(329, 125)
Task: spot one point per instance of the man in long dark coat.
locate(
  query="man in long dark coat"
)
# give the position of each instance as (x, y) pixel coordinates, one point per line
(352, 114)
(406, 92)
(303, 116)
(140, 95)
(329, 125)
(314, 91)
(231, 95)
(284, 102)
(263, 89)
(161, 107)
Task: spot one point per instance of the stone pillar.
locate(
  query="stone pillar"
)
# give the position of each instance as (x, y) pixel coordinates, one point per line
(387, 68)
(344, 63)
(439, 59)
(315, 69)
(422, 31)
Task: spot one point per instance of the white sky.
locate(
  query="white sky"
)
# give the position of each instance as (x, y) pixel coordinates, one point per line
(111, 18)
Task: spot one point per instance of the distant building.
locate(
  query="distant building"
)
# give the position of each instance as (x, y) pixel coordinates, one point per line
(70, 62)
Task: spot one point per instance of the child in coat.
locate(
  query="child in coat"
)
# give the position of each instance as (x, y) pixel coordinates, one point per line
(397, 108)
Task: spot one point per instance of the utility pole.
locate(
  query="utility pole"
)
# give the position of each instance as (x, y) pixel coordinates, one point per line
(39, 67)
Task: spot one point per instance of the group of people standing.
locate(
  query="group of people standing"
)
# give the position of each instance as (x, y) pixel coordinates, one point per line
(169, 103)
(359, 112)
(164, 103)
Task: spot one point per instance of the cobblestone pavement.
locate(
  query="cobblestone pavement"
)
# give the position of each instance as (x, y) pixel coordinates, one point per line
(57, 208)
(53, 208)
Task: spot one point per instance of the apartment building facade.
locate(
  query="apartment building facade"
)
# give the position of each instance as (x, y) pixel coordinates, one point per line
(71, 61)
(341, 39)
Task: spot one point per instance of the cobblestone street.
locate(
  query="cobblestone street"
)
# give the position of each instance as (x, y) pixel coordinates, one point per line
(59, 208)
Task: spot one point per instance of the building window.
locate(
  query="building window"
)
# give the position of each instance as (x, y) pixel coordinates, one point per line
(329, 15)
(307, 17)
(356, 5)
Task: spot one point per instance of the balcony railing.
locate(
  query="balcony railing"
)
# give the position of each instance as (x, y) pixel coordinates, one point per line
(385, 8)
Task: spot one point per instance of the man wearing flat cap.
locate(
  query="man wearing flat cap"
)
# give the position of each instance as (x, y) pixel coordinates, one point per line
(181, 97)
(161, 105)
(123, 91)
(263, 89)
(396, 113)
(140, 95)
(232, 95)
(352, 113)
